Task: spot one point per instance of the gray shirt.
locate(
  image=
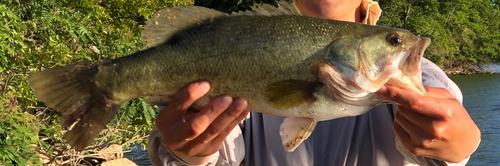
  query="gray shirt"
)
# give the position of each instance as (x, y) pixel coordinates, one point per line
(366, 139)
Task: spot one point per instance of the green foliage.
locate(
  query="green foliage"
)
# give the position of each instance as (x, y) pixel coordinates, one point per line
(18, 134)
(462, 31)
(137, 118)
(137, 107)
(39, 34)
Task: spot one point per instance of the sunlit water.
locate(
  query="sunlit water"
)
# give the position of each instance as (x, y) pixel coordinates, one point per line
(482, 100)
(138, 156)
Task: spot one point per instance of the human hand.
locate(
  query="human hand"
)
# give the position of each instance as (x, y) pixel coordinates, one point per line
(436, 126)
(194, 135)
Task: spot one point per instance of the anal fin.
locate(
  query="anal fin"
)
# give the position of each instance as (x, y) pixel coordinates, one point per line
(294, 130)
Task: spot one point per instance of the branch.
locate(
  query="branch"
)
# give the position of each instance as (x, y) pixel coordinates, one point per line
(407, 12)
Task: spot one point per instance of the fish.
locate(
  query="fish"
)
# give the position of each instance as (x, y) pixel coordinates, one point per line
(303, 68)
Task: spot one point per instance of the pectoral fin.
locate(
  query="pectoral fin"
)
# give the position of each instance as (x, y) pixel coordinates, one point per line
(291, 93)
(294, 131)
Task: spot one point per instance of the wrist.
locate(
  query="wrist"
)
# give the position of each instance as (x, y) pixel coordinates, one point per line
(192, 160)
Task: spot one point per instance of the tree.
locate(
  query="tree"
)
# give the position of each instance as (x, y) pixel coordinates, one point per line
(463, 31)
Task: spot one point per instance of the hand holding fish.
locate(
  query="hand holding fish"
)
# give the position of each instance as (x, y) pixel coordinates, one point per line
(437, 125)
(195, 135)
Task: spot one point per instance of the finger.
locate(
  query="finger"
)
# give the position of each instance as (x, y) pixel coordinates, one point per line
(420, 120)
(184, 99)
(223, 121)
(199, 123)
(403, 136)
(401, 133)
(415, 145)
(200, 148)
(413, 131)
(192, 126)
(397, 95)
(425, 105)
(230, 127)
(439, 92)
(171, 117)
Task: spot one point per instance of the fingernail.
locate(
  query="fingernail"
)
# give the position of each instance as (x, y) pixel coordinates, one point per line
(225, 100)
(204, 85)
(246, 112)
(382, 89)
(241, 104)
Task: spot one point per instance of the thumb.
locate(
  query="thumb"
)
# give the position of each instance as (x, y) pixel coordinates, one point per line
(413, 101)
(398, 95)
(181, 101)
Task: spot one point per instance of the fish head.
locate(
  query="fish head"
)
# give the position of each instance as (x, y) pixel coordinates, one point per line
(375, 57)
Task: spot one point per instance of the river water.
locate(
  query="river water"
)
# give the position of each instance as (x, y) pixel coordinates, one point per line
(482, 100)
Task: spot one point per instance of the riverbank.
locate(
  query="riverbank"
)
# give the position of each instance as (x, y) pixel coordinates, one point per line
(462, 69)
(468, 68)
(63, 154)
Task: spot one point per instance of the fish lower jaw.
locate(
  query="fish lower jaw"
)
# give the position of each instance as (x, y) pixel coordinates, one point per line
(408, 82)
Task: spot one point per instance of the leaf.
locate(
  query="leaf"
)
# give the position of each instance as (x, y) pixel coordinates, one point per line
(148, 112)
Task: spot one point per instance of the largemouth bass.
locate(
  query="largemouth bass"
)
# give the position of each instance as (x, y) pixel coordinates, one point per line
(307, 69)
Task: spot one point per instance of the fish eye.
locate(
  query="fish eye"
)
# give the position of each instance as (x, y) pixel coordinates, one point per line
(394, 39)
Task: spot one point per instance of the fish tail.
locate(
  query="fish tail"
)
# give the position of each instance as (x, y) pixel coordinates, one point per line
(73, 91)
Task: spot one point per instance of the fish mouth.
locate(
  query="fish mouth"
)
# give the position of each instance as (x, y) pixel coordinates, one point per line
(358, 87)
(410, 75)
(411, 65)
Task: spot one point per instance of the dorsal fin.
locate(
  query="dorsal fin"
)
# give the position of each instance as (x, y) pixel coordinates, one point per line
(284, 8)
(166, 22)
(291, 8)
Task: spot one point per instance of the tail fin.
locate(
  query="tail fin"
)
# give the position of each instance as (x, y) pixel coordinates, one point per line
(73, 91)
